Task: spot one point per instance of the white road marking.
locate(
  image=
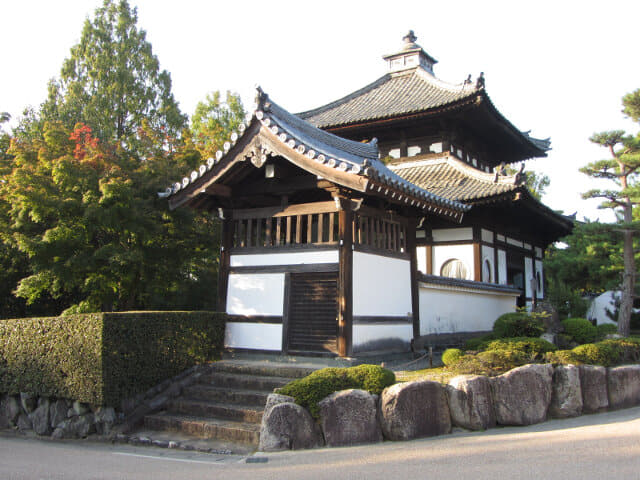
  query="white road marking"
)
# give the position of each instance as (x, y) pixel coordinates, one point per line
(152, 457)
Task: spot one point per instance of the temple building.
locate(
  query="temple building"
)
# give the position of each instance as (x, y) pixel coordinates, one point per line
(381, 220)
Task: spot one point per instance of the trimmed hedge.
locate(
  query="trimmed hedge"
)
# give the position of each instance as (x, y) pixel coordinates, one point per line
(533, 347)
(517, 324)
(580, 330)
(308, 391)
(103, 358)
(451, 356)
(607, 353)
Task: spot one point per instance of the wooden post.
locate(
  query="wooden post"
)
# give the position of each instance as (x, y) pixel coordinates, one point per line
(413, 262)
(226, 241)
(345, 278)
(477, 255)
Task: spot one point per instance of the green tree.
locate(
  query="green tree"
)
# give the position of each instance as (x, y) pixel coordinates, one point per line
(622, 170)
(112, 80)
(212, 121)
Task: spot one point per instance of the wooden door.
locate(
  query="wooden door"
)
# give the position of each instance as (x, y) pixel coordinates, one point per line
(313, 312)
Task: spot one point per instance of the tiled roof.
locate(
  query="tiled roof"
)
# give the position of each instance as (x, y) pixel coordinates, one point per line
(325, 148)
(408, 91)
(452, 178)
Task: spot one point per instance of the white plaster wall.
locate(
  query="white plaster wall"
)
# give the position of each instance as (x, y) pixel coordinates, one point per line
(540, 291)
(381, 285)
(293, 258)
(487, 235)
(538, 252)
(421, 258)
(255, 294)
(488, 255)
(444, 310)
(442, 253)
(257, 336)
(502, 267)
(513, 241)
(528, 275)
(379, 336)
(451, 234)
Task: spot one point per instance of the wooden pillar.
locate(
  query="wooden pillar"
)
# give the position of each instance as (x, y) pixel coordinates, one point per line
(226, 242)
(477, 254)
(429, 255)
(345, 278)
(413, 262)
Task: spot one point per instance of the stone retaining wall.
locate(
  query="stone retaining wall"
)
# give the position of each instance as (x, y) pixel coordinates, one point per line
(523, 396)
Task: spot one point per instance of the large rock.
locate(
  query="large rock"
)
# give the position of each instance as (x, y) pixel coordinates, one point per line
(287, 426)
(624, 386)
(28, 401)
(105, 418)
(593, 383)
(58, 412)
(40, 417)
(75, 427)
(11, 408)
(414, 409)
(349, 417)
(470, 402)
(566, 395)
(24, 422)
(522, 395)
(274, 399)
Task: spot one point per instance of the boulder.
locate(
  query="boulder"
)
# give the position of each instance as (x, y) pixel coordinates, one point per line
(522, 395)
(593, 383)
(349, 417)
(566, 394)
(80, 408)
(40, 417)
(414, 409)
(624, 386)
(274, 399)
(76, 427)
(11, 408)
(57, 412)
(470, 402)
(104, 418)
(287, 426)
(28, 401)
(24, 422)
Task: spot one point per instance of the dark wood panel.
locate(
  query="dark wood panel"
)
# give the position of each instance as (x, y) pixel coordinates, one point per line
(296, 268)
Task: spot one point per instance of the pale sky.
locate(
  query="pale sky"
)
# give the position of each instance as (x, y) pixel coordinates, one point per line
(557, 68)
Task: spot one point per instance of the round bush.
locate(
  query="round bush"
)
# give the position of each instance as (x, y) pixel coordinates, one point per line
(517, 324)
(580, 329)
(605, 329)
(451, 356)
(308, 391)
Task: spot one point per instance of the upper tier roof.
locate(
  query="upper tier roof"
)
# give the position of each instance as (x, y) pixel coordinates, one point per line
(451, 178)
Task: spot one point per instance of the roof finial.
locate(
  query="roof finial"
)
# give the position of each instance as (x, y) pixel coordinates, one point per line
(410, 37)
(480, 81)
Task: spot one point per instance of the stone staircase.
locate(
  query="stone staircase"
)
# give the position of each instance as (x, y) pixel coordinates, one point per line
(226, 403)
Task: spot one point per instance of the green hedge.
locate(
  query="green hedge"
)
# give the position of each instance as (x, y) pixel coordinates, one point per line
(580, 330)
(308, 391)
(518, 324)
(102, 358)
(607, 353)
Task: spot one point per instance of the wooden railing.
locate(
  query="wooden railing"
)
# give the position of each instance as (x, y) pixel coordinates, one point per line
(380, 232)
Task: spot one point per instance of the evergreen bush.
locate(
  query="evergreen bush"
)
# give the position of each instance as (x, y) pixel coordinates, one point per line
(451, 356)
(535, 348)
(517, 324)
(580, 329)
(308, 391)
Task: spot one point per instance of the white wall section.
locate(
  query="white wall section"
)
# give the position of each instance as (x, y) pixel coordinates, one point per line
(464, 253)
(488, 256)
(293, 258)
(487, 235)
(381, 285)
(382, 337)
(257, 336)
(540, 272)
(421, 259)
(502, 267)
(528, 276)
(452, 234)
(255, 294)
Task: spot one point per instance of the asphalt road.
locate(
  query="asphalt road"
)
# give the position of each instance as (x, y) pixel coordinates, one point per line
(603, 446)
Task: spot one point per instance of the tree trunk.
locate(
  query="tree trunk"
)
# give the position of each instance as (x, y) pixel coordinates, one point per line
(628, 282)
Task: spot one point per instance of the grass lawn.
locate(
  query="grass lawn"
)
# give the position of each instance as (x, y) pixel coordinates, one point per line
(437, 374)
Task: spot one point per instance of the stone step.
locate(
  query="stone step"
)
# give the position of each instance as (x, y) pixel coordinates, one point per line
(263, 369)
(242, 381)
(203, 408)
(225, 395)
(205, 427)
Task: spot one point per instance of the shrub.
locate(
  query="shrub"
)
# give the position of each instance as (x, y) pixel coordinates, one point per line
(580, 329)
(102, 358)
(534, 348)
(605, 329)
(607, 353)
(474, 344)
(517, 324)
(308, 391)
(561, 356)
(491, 363)
(451, 356)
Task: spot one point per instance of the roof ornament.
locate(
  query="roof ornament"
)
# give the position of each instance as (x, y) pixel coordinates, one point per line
(521, 177)
(410, 40)
(480, 82)
(468, 80)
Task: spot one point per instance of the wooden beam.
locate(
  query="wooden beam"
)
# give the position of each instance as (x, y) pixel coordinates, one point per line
(218, 190)
(345, 279)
